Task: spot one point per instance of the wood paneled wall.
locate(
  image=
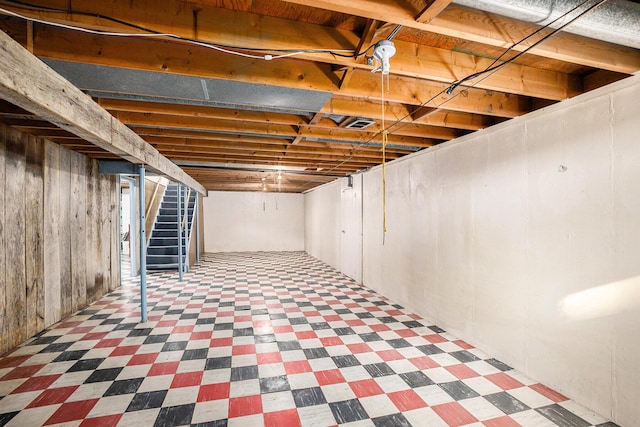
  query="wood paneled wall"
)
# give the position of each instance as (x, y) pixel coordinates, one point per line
(58, 234)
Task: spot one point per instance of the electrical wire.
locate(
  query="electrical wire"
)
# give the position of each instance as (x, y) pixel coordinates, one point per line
(148, 33)
(488, 72)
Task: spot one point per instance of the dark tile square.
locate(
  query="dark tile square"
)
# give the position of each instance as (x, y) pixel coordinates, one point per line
(99, 316)
(288, 345)
(274, 384)
(186, 316)
(103, 375)
(174, 310)
(320, 325)
(223, 326)
(174, 346)
(365, 315)
(379, 370)
(393, 420)
(156, 339)
(124, 326)
(175, 415)
(430, 349)
(114, 321)
(344, 331)
(315, 353)
(140, 332)
(266, 338)
(416, 379)
(244, 373)
(436, 329)
(370, 337)
(506, 402)
(70, 355)
(277, 316)
(198, 353)
(342, 311)
(85, 365)
(298, 320)
(413, 324)
(399, 343)
(147, 400)
(123, 387)
(345, 361)
(458, 390)
(498, 365)
(464, 356)
(206, 321)
(44, 340)
(348, 411)
(259, 311)
(7, 416)
(243, 332)
(56, 347)
(308, 397)
(562, 416)
(387, 319)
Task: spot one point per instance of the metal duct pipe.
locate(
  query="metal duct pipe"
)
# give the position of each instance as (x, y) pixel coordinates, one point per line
(616, 21)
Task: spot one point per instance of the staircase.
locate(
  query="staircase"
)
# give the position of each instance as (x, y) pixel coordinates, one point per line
(162, 248)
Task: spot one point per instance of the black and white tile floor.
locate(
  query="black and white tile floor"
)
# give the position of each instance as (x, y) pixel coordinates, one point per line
(264, 339)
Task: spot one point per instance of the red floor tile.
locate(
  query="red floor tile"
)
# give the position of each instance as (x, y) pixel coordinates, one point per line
(72, 411)
(165, 368)
(548, 393)
(331, 376)
(244, 349)
(187, 379)
(125, 350)
(365, 388)
(22, 372)
(53, 396)
(504, 381)
(243, 406)
(462, 371)
(454, 414)
(501, 422)
(37, 383)
(407, 400)
(288, 418)
(213, 392)
(424, 362)
(106, 421)
(143, 359)
(297, 367)
(266, 358)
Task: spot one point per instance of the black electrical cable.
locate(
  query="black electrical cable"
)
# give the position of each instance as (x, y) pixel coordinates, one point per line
(490, 70)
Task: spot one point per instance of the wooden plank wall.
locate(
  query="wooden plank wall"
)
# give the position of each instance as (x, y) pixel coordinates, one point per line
(58, 234)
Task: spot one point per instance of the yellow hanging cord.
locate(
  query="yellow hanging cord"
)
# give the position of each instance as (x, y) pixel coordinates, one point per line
(384, 172)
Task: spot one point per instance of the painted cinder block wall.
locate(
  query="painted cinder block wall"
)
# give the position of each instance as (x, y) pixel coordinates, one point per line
(524, 240)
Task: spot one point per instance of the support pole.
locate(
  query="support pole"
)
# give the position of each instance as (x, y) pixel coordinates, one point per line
(179, 210)
(186, 229)
(196, 218)
(143, 250)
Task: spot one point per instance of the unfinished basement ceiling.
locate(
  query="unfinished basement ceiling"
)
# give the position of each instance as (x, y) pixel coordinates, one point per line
(256, 95)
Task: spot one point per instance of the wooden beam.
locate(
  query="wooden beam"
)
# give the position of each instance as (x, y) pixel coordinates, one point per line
(29, 83)
(481, 27)
(217, 126)
(410, 60)
(432, 9)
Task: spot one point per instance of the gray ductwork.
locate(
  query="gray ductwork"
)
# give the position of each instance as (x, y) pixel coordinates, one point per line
(616, 21)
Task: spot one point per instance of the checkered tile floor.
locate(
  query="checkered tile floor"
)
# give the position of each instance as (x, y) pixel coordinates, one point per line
(264, 339)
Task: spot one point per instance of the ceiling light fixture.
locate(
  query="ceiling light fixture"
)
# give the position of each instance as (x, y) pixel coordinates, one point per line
(383, 51)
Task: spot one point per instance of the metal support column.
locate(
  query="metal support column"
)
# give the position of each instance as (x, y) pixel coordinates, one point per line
(196, 218)
(143, 250)
(179, 210)
(186, 229)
